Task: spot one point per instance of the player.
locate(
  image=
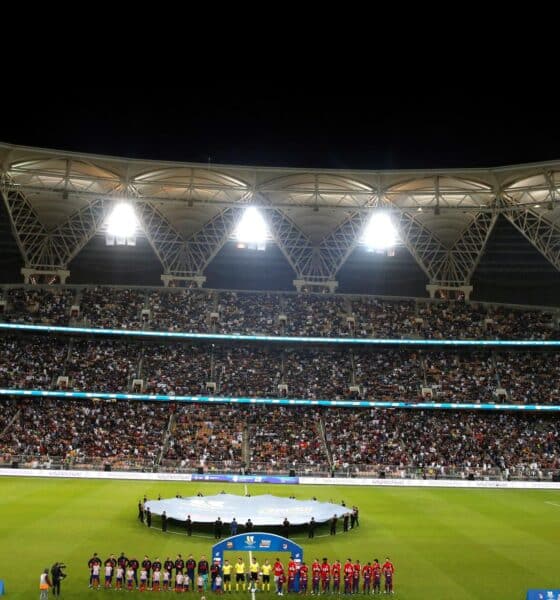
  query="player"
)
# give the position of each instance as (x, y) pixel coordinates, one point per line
(357, 568)
(92, 561)
(254, 575)
(266, 569)
(147, 564)
(292, 572)
(190, 566)
(218, 584)
(226, 569)
(348, 576)
(325, 577)
(202, 569)
(214, 572)
(134, 565)
(278, 570)
(303, 577)
(315, 576)
(239, 574)
(168, 566)
(376, 573)
(367, 572)
(336, 569)
(388, 570)
(179, 564)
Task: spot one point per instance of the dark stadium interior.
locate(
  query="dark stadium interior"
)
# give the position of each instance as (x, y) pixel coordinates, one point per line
(511, 269)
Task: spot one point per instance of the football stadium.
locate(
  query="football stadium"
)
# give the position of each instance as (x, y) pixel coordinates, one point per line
(266, 380)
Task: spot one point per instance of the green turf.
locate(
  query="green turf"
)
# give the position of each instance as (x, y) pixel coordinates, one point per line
(445, 543)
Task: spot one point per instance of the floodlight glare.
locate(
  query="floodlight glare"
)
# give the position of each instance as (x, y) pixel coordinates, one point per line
(380, 233)
(122, 222)
(252, 229)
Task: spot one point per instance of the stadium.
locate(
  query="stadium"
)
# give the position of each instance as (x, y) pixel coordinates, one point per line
(387, 341)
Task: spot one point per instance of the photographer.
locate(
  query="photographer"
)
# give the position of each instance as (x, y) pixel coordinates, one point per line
(57, 575)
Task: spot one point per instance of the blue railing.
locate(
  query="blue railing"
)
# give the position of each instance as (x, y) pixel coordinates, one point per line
(179, 335)
(280, 401)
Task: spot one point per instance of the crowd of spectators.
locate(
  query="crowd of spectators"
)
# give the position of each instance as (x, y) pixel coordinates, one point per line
(80, 431)
(268, 439)
(268, 313)
(176, 368)
(294, 371)
(102, 365)
(285, 438)
(31, 362)
(180, 310)
(244, 313)
(38, 305)
(105, 307)
(392, 440)
(206, 437)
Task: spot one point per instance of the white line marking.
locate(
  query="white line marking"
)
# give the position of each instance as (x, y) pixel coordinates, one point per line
(553, 504)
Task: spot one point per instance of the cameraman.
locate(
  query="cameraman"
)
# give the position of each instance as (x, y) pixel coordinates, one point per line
(57, 575)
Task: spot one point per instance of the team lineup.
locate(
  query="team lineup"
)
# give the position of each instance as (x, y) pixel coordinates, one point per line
(178, 575)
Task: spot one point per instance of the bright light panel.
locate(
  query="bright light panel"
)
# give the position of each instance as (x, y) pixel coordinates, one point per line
(380, 233)
(122, 222)
(252, 229)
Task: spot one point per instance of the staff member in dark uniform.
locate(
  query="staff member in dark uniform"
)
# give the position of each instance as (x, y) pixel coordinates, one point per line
(188, 525)
(334, 521)
(311, 527)
(148, 517)
(57, 575)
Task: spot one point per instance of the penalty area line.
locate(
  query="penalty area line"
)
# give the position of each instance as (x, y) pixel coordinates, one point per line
(553, 503)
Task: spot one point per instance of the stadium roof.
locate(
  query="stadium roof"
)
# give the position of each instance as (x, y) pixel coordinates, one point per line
(58, 201)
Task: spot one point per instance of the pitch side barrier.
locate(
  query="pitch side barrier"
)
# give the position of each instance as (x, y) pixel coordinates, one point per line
(110, 397)
(255, 479)
(179, 335)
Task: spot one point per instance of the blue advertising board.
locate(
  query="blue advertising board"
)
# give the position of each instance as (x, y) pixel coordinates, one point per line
(546, 594)
(256, 542)
(245, 478)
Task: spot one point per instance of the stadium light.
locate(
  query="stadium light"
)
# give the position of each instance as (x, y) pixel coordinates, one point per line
(380, 233)
(252, 231)
(122, 225)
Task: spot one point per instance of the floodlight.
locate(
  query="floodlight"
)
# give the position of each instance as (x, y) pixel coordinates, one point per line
(252, 230)
(122, 224)
(380, 233)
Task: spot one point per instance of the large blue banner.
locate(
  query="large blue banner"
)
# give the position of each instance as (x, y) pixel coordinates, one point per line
(543, 594)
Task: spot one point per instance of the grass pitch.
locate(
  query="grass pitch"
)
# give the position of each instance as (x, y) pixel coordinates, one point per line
(445, 543)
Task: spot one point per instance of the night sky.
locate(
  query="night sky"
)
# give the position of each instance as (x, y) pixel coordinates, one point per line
(405, 128)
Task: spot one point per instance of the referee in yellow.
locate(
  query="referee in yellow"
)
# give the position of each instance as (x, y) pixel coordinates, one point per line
(254, 574)
(240, 574)
(226, 570)
(266, 569)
